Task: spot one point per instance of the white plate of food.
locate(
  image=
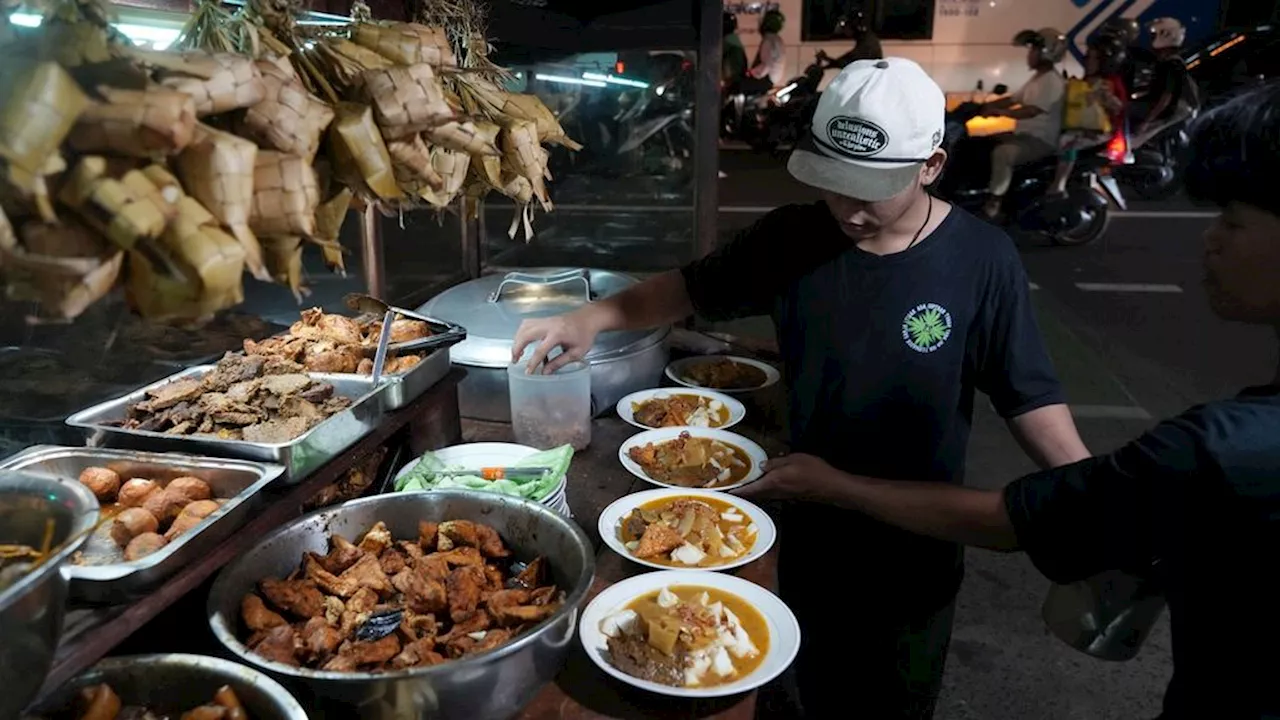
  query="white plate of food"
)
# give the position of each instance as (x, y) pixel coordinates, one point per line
(687, 530)
(701, 458)
(759, 636)
(723, 373)
(680, 407)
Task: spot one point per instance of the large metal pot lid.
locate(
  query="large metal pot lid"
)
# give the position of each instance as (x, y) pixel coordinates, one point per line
(491, 308)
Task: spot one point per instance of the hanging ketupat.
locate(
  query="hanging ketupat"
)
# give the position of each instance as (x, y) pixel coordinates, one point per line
(217, 169)
(288, 118)
(138, 123)
(285, 196)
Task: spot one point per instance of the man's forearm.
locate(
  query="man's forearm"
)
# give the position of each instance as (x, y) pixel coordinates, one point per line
(660, 300)
(937, 510)
(1049, 437)
(1023, 112)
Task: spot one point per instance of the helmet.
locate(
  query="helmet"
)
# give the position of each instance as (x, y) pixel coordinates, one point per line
(729, 24)
(1127, 30)
(858, 21)
(1112, 51)
(1051, 43)
(772, 22)
(1167, 32)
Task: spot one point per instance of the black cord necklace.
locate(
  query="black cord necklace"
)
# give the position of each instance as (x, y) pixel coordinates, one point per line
(928, 215)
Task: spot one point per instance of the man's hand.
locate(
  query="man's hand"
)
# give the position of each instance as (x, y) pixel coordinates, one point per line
(793, 477)
(574, 334)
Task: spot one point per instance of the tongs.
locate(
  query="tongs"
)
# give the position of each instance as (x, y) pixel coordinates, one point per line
(369, 305)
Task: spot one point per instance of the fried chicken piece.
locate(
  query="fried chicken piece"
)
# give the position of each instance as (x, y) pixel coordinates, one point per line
(257, 616)
(455, 533)
(520, 614)
(508, 598)
(300, 598)
(480, 621)
(393, 560)
(493, 638)
(493, 578)
(427, 533)
(544, 596)
(342, 555)
(377, 539)
(279, 644)
(364, 601)
(534, 574)
(419, 653)
(370, 652)
(319, 639)
(365, 573)
(460, 556)
(419, 627)
(333, 609)
(420, 594)
(327, 357)
(464, 586)
(659, 539)
(411, 549)
(460, 646)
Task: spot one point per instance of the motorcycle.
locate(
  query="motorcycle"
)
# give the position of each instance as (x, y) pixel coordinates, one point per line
(778, 117)
(1153, 174)
(1078, 218)
(661, 121)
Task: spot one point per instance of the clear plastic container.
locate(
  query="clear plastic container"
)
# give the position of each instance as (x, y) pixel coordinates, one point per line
(548, 411)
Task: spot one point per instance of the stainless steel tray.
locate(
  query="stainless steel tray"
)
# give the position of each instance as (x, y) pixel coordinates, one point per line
(239, 481)
(403, 388)
(299, 456)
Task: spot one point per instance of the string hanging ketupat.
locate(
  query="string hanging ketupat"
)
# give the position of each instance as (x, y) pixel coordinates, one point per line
(170, 173)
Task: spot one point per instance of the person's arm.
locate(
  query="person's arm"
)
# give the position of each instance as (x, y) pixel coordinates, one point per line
(1014, 369)
(737, 280)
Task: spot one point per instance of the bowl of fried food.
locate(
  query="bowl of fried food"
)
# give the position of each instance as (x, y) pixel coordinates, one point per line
(172, 685)
(442, 604)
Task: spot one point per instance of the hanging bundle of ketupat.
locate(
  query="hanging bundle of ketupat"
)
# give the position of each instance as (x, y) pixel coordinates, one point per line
(169, 174)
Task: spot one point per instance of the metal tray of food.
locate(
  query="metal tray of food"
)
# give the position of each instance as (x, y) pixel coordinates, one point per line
(403, 388)
(98, 572)
(299, 456)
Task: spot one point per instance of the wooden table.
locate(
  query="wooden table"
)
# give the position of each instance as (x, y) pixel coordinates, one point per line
(90, 633)
(582, 691)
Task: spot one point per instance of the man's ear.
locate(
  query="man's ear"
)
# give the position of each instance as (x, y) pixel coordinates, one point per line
(933, 167)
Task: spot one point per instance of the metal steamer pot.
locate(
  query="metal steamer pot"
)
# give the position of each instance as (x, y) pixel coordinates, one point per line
(489, 686)
(491, 308)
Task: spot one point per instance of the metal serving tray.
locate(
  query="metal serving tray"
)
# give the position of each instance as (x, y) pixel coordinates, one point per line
(403, 388)
(101, 580)
(299, 456)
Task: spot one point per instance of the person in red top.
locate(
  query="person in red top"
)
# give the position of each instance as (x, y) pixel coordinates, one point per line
(1102, 64)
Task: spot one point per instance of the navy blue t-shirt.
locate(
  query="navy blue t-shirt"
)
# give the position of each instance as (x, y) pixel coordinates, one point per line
(1196, 503)
(882, 356)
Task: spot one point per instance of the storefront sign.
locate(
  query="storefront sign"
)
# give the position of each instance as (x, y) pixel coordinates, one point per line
(959, 8)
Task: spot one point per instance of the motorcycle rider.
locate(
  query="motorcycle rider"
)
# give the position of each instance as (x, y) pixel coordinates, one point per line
(733, 57)
(1102, 62)
(1037, 106)
(866, 43)
(1172, 94)
(769, 68)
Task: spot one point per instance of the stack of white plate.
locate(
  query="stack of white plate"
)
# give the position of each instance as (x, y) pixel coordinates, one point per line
(483, 455)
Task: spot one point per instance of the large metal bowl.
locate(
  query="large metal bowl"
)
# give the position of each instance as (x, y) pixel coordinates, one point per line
(493, 685)
(31, 609)
(174, 683)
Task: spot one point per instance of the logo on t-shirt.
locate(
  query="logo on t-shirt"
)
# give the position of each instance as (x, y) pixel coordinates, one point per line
(856, 137)
(926, 327)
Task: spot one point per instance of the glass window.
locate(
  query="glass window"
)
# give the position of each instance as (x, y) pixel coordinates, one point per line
(824, 20)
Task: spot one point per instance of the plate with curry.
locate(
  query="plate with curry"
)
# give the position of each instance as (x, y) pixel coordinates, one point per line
(687, 530)
(680, 407)
(691, 457)
(690, 634)
(723, 373)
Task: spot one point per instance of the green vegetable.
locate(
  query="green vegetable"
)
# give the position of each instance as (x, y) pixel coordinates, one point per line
(423, 476)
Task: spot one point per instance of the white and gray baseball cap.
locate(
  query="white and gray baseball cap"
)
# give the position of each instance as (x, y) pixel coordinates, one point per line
(875, 125)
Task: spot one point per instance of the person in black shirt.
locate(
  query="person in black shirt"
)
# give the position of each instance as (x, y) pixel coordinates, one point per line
(892, 309)
(1171, 96)
(1196, 500)
(866, 44)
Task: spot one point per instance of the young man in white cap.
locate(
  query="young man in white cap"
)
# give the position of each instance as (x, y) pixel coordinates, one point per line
(892, 309)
